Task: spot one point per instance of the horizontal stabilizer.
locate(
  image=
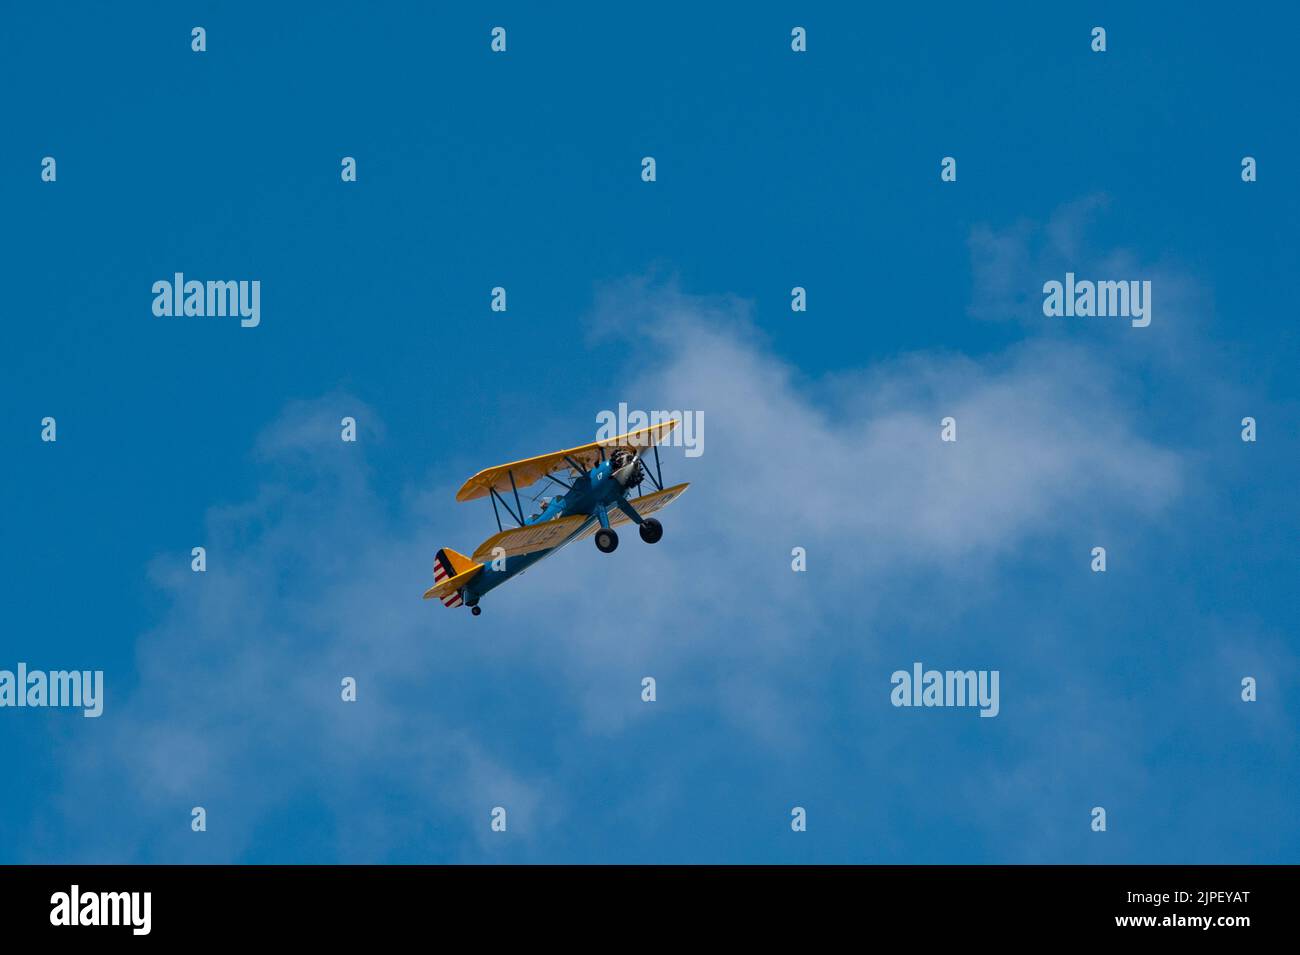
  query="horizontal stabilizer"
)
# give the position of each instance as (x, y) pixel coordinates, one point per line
(452, 584)
(451, 571)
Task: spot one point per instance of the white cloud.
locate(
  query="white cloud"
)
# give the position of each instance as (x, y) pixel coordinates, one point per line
(317, 577)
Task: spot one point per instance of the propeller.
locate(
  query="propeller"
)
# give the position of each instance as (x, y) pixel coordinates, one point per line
(632, 472)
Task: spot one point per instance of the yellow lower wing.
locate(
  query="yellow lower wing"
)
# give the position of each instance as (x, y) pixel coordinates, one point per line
(519, 541)
(526, 540)
(644, 505)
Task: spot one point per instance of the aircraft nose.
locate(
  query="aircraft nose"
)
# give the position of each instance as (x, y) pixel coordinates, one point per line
(627, 474)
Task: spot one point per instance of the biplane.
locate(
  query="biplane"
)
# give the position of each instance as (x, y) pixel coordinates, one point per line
(596, 480)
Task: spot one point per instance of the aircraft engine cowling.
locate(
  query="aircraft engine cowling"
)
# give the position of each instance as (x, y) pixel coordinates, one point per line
(627, 467)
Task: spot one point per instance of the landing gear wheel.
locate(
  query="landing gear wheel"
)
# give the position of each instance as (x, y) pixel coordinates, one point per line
(651, 531)
(476, 610)
(606, 540)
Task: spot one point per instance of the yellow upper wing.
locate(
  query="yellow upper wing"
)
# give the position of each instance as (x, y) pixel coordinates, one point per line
(529, 470)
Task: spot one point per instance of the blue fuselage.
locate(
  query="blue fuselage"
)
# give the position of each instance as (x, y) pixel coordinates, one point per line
(590, 496)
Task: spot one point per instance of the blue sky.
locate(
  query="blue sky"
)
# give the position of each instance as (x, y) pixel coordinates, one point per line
(821, 430)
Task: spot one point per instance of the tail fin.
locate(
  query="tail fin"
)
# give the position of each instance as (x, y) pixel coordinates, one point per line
(451, 572)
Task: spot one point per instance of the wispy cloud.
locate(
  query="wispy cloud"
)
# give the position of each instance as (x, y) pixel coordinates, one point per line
(317, 577)
(1009, 264)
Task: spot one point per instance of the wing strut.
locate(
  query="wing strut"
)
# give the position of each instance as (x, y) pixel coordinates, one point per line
(519, 518)
(658, 478)
(517, 502)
